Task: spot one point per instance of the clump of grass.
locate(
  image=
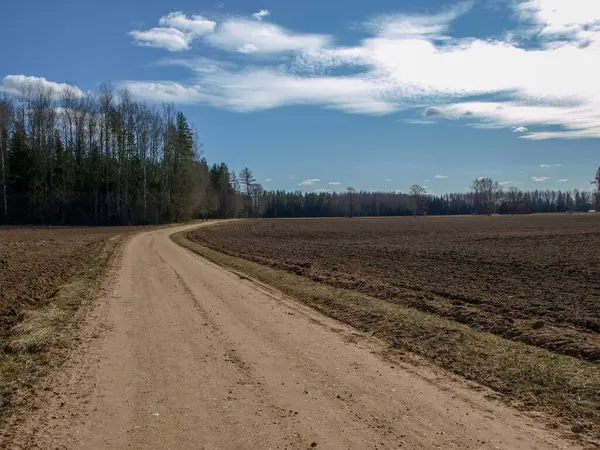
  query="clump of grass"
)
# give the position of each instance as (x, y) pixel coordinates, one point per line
(531, 377)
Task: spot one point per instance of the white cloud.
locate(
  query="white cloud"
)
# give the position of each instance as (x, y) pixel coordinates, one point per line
(267, 180)
(309, 182)
(550, 165)
(538, 179)
(407, 26)
(17, 84)
(261, 14)
(176, 32)
(440, 177)
(574, 19)
(195, 26)
(248, 48)
(504, 183)
(563, 180)
(266, 38)
(168, 38)
(257, 89)
(388, 179)
(420, 122)
(320, 191)
(409, 61)
(334, 183)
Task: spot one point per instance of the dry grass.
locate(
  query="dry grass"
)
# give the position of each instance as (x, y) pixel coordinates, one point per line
(530, 377)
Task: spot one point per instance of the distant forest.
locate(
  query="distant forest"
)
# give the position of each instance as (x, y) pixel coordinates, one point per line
(106, 159)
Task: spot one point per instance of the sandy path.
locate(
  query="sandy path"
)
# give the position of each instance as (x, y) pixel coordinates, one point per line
(182, 354)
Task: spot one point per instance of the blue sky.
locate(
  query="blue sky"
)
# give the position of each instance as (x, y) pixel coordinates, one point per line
(377, 95)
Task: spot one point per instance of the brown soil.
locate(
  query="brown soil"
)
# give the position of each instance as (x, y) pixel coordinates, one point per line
(530, 278)
(34, 261)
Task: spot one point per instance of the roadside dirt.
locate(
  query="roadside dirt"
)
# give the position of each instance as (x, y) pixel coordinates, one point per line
(181, 353)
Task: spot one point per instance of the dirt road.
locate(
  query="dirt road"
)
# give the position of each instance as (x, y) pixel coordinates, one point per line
(182, 354)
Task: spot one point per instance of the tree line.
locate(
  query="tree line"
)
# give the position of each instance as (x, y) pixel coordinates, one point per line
(417, 202)
(103, 158)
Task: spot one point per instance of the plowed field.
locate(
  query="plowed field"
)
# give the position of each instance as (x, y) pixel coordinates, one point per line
(530, 278)
(35, 261)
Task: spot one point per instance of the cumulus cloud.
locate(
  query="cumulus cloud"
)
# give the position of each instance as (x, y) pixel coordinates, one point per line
(261, 14)
(309, 182)
(440, 177)
(335, 183)
(538, 179)
(563, 180)
(176, 33)
(17, 84)
(407, 61)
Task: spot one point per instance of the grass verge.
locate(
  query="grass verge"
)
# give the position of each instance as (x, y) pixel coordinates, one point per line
(25, 352)
(527, 376)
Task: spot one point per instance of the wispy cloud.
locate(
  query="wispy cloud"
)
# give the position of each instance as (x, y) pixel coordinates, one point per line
(545, 166)
(320, 191)
(388, 179)
(267, 38)
(309, 182)
(334, 183)
(405, 61)
(538, 179)
(440, 177)
(415, 26)
(420, 121)
(563, 180)
(504, 183)
(267, 180)
(260, 15)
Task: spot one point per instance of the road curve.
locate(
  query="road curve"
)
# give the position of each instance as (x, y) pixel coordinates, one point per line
(182, 354)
